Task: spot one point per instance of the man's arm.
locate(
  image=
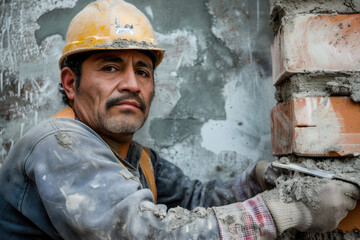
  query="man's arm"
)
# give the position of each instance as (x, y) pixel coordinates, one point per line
(87, 194)
(176, 189)
(253, 217)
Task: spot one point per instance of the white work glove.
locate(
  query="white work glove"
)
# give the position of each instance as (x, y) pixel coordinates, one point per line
(334, 200)
(267, 174)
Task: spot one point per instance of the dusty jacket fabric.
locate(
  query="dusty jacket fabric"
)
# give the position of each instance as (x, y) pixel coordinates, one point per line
(61, 181)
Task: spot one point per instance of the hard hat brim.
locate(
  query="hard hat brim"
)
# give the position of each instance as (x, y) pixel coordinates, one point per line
(157, 52)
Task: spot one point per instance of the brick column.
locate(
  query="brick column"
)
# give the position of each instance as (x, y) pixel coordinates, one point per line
(316, 71)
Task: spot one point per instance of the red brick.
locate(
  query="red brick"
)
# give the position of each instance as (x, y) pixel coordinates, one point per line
(311, 43)
(322, 126)
(351, 221)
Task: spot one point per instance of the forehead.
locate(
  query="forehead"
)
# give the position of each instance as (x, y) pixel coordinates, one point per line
(123, 55)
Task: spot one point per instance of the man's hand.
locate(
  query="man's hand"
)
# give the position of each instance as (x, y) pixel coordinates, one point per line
(335, 199)
(267, 174)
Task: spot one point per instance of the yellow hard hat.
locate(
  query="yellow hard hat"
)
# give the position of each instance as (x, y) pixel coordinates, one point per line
(110, 25)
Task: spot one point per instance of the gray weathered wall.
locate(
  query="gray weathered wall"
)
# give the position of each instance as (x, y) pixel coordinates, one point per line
(213, 90)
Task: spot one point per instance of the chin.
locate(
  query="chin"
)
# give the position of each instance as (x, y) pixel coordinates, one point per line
(122, 123)
(123, 127)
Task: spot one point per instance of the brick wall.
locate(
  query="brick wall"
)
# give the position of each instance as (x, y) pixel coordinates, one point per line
(316, 64)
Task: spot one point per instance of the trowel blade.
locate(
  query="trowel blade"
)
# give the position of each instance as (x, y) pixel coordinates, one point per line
(316, 172)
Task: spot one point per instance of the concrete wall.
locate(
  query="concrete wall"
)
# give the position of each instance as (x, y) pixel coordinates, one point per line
(213, 90)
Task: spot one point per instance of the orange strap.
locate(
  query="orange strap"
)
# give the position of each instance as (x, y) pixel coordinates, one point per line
(148, 170)
(145, 160)
(66, 113)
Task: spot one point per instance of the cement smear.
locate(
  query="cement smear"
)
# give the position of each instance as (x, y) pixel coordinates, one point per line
(129, 176)
(178, 216)
(158, 210)
(65, 140)
(282, 8)
(126, 44)
(298, 188)
(319, 84)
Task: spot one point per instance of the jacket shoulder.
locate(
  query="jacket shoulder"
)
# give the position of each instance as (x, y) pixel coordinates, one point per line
(56, 125)
(46, 130)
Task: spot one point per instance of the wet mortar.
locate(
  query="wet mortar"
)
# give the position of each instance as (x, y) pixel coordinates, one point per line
(282, 8)
(319, 84)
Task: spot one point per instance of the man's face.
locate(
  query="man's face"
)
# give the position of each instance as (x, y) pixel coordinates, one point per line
(115, 92)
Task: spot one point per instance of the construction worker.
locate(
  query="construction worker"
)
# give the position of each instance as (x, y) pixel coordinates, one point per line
(80, 175)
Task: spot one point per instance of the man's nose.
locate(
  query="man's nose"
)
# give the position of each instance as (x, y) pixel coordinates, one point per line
(129, 82)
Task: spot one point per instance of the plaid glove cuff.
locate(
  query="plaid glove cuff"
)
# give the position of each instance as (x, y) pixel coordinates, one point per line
(245, 220)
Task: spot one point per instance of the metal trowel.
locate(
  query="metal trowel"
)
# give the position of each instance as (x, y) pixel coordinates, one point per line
(316, 172)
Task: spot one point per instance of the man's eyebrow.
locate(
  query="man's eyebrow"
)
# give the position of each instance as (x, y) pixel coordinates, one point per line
(143, 64)
(102, 60)
(110, 59)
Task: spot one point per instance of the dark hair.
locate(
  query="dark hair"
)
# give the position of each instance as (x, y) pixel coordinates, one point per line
(74, 62)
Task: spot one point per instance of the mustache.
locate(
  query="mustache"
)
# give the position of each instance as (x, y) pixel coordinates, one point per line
(126, 96)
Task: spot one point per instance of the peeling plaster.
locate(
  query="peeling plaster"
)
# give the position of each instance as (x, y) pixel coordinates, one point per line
(205, 54)
(240, 132)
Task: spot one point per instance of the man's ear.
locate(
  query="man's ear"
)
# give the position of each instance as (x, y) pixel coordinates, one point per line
(68, 81)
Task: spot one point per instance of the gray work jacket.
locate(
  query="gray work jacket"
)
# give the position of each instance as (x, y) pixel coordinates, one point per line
(61, 181)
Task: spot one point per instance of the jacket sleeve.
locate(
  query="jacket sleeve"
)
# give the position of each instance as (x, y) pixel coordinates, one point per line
(176, 189)
(87, 194)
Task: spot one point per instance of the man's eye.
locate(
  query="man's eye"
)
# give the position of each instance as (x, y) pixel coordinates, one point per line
(142, 73)
(109, 69)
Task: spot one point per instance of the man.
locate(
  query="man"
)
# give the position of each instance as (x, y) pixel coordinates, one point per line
(81, 176)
